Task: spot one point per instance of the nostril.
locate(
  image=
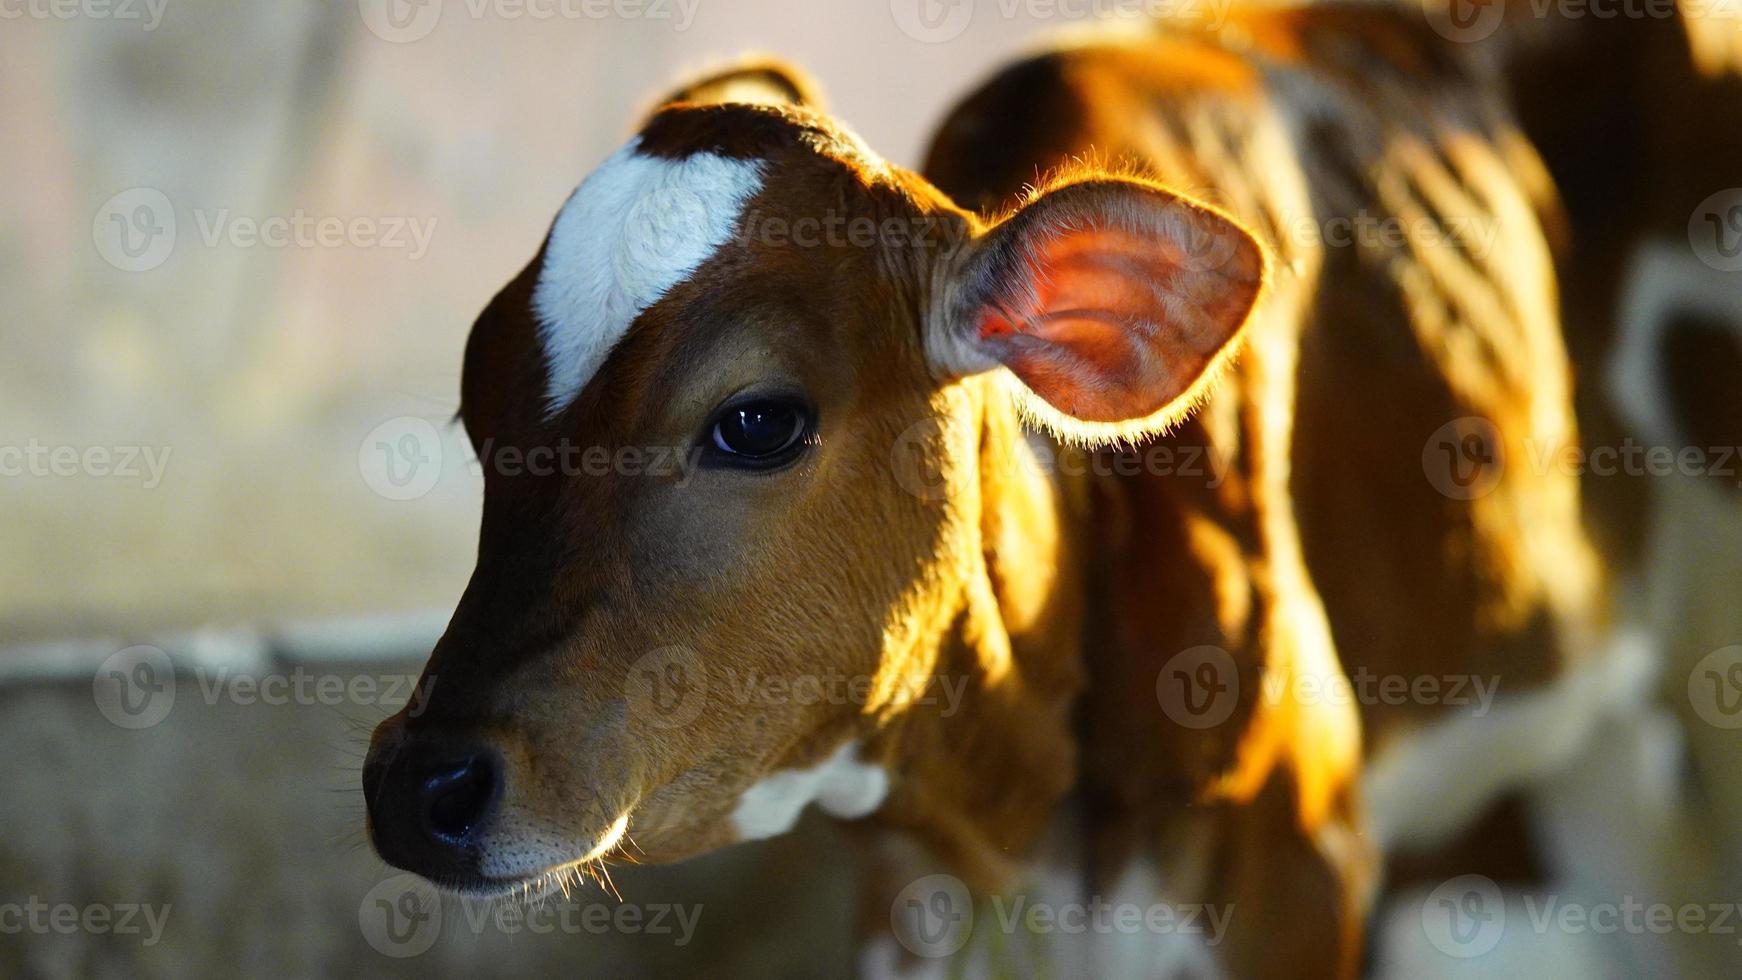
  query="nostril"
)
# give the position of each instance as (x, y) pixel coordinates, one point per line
(456, 796)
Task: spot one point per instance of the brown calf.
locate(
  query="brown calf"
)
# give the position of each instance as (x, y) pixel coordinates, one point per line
(1267, 278)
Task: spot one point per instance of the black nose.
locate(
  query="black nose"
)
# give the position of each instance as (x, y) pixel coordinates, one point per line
(428, 804)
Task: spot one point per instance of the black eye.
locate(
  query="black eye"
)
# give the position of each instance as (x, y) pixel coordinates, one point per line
(760, 433)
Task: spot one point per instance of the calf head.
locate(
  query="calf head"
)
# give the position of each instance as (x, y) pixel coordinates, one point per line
(688, 408)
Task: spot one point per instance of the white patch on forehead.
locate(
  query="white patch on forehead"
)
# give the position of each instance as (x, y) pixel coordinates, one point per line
(636, 227)
(841, 785)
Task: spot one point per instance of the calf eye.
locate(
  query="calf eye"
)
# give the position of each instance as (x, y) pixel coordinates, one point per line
(760, 434)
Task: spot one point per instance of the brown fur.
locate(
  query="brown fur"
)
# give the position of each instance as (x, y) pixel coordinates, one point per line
(1392, 343)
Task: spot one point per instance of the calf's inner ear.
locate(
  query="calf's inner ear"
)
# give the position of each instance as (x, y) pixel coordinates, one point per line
(1112, 300)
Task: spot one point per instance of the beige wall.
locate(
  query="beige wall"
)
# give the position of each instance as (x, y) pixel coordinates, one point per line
(261, 371)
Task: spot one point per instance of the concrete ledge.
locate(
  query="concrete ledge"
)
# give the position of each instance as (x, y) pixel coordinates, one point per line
(241, 651)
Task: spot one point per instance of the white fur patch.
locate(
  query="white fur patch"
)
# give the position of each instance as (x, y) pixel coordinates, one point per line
(1665, 279)
(636, 227)
(881, 958)
(841, 785)
(1145, 952)
(1403, 949)
(1429, 784)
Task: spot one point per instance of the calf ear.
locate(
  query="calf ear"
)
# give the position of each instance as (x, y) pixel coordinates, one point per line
(758, 81)
(1113, 301)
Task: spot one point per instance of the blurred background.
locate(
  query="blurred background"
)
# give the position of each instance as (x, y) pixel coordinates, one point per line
(241, 243)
